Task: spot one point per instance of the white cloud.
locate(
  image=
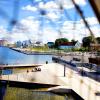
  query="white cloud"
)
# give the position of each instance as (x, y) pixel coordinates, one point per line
(53, 15)
(81, 2)
(29, 8)
(41, 5)
(2, 30)
(67, 4)
(48, 5)
(92, 20)
(94, 26)
(32, 31)
(96, 30)
(31, 24)
(56, 4)
(4, 34)
(51, 5)
(49, 35)
(29, 28)
(26, 29)
(79, 31)
(37, 0)
(52, 9)
(19, 36)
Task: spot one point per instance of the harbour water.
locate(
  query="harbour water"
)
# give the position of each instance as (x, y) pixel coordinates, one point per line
(9, 56)
(33, 94)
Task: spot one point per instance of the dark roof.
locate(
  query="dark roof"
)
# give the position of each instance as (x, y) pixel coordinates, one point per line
(50, 43)
(68, 43)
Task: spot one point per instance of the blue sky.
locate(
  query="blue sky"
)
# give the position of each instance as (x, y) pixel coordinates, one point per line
(54, 24)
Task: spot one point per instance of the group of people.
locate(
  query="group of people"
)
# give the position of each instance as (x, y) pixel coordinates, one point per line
(35, 69)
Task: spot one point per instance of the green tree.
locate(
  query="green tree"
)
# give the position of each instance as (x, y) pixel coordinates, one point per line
(87, 41)
(74, 41)
(98, 39)
(60, 41)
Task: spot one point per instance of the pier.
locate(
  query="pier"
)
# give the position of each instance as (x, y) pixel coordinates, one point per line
(18, 66)
(53, 73)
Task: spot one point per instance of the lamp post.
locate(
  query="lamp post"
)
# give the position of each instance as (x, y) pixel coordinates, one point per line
(64, 70)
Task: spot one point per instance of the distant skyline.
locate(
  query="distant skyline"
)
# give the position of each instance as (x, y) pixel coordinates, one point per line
(42, 20)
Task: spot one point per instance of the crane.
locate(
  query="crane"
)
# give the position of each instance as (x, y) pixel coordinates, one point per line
(84, 20)
(95, 60)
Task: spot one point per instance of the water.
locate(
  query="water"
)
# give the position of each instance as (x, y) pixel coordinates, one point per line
(32, 94)
(9, 56)
(11, 91)
(25, 94)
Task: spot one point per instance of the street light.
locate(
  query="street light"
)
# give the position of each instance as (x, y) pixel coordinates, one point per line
(64, 70)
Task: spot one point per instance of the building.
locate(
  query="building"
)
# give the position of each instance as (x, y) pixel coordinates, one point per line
(3, 43)
(50, 44)
(70, 45)
(18, 44)
(38, 44)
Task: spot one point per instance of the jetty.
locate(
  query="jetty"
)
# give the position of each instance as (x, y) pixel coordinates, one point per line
(61, 75)
(19, 66)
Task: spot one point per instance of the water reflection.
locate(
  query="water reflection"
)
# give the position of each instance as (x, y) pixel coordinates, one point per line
(2, 89)
(13, 93)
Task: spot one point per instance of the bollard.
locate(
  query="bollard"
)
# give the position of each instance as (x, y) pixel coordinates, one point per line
(64, 70)
(46, 62)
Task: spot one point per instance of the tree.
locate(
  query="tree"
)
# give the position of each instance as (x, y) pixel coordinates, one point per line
(86, 41)
(98, 39)
(74, 41)
(60, 41)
